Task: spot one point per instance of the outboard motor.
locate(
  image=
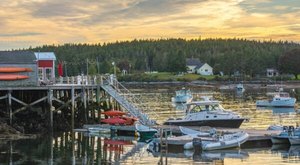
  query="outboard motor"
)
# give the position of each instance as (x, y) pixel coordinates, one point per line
(291, 130)
(197, 144)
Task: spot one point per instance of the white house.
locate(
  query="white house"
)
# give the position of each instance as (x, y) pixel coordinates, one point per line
(271, 72)
(195, 66)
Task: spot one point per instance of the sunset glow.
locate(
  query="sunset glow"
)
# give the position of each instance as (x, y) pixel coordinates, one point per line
(27, 23)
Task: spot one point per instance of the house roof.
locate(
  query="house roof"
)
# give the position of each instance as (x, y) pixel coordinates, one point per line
(17, 57)
(45, 55)
(194, 62)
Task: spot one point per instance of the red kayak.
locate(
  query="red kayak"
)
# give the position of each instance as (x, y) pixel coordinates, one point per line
(129, 120)
(114, 113)
(12, 77)
(14, 69)
(114, 121)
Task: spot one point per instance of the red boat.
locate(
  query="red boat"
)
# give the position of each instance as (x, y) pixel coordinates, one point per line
(114, 121)
(114, 113)
(14, 69)
(12, 77)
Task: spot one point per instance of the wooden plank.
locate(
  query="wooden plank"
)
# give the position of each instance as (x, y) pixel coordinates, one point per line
(3, 97)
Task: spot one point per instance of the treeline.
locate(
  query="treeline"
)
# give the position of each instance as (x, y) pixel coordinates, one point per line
(226, 55)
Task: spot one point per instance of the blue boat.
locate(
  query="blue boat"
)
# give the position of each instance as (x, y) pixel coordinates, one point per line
(183, 96)
(280, 99)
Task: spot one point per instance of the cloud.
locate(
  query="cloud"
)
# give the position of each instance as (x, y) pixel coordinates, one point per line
(94, 21)
(21, 34)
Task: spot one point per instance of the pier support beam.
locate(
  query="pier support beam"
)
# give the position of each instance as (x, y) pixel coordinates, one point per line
(50, 96)
(73, 106)
(9, 107)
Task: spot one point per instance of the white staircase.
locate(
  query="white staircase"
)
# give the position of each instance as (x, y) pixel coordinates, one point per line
(128, 101)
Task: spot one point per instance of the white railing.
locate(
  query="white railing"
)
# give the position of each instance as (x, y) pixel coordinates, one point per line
(140, 109)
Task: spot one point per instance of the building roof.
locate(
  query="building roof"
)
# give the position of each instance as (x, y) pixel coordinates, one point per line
(45, 55)
(17, 57)
(194, 62)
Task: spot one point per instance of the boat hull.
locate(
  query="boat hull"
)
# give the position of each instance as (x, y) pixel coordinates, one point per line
(280, 140)
(228, 123)
(294, 140)
(281, 103)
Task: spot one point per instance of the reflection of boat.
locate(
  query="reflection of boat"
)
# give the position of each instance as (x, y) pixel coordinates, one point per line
(179, 106)
(14, 69)
(114, 113)
(219, 142)
(222, 154)
(117, 142)
(145, 131)
(12, 77)
(277, 110)
(182, 96)
(207, 113)
(280, 99)
(98, 130)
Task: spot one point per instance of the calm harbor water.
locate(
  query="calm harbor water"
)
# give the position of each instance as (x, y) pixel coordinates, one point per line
(79, 148)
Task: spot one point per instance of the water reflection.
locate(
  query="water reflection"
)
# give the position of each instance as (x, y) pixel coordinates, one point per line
(277, 110)
(179, 106)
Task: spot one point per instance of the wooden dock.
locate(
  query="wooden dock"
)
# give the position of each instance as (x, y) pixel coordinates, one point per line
(257, 138)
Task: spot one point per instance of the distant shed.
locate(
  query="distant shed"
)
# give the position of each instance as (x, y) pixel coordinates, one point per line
(11, 62)
(46, 66)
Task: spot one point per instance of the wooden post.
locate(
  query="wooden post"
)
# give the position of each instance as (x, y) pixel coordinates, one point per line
(84, 104)
(9, 107)
(73, 106)
(98, 101)
(50, 96)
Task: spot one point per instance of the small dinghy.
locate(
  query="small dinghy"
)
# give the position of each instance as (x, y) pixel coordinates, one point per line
(219, 142)
(145, 131)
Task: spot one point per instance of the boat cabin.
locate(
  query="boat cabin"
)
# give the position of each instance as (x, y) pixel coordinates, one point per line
(195, 107)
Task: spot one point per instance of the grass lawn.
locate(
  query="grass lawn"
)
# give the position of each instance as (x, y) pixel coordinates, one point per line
(170, 76)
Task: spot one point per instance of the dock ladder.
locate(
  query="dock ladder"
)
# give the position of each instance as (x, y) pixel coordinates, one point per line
(128, 100)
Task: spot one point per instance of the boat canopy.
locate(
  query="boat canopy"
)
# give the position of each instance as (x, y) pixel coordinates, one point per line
(198, 106)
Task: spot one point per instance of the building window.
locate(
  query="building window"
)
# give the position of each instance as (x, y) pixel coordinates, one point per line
(206, 70)
(41, 73)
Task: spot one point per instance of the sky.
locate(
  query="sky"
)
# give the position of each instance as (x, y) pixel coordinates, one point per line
(25, 23)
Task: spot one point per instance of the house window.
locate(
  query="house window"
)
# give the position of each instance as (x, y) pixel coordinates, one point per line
(206, 70)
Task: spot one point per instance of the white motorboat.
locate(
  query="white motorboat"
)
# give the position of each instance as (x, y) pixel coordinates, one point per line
(207, 113)
(183, 96)
(240, 88)
(219, 142)
(280, 99)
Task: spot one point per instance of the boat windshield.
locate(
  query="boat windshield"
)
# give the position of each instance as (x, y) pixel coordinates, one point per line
(198, 108)
(284, 95)
(183, 92)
